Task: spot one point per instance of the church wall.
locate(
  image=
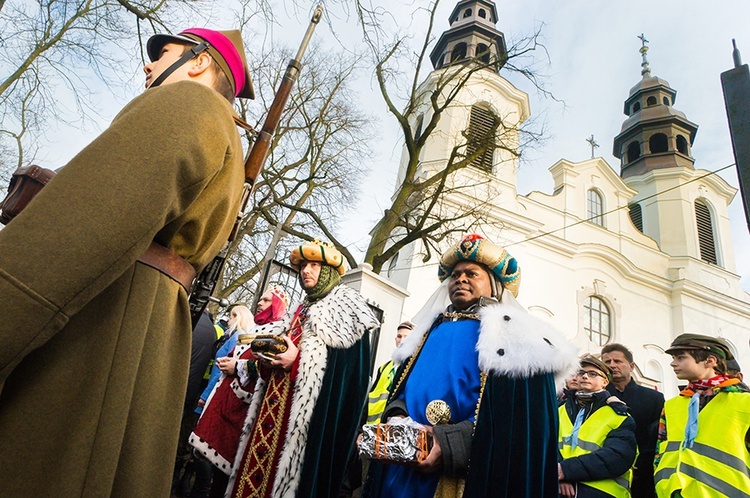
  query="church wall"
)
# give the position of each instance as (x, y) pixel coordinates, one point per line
(654, 284)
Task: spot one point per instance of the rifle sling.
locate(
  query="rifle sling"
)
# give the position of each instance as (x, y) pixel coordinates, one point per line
(170, 264)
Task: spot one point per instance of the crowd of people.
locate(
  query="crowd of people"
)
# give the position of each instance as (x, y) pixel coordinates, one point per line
(100, 388)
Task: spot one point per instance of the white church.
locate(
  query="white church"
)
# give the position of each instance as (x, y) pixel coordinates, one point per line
(636, 254)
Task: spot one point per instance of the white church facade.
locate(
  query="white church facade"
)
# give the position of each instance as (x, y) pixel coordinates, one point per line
(636, 257)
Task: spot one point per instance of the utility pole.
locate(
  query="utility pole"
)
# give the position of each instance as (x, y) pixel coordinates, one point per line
(736, 86)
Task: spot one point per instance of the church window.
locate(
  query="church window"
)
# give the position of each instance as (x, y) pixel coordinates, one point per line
(705, 232)
(636, 107)
(459, 52)
(483, 125)
(483, 13)
(467, 13)
(418, 129)
(657, 143)
(597, 320)
(665, 100)
(595, 207)
(634, 151)
(682, 145)
(483, 53)
(651, 100)
(392, 265)
(636, 216)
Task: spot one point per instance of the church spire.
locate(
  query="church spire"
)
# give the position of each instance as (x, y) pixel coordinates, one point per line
(645, 70)
(655, 135)
(472, 37)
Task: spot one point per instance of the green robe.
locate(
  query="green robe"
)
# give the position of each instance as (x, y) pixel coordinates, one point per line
(94, 346)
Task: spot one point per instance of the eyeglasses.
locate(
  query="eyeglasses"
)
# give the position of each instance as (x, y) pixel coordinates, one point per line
(590, 373)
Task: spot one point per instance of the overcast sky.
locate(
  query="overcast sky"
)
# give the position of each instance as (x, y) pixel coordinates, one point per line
(593, 62)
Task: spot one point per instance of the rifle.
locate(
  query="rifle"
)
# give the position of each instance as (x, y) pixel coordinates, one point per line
(205, 283)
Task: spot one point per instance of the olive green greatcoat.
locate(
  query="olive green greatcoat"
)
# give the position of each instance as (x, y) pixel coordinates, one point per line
(94, 346)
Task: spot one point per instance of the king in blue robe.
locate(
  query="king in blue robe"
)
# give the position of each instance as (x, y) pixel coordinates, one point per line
(495, 367)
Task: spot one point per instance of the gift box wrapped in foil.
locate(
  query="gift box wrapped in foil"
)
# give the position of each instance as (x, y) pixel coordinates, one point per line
(400, 440)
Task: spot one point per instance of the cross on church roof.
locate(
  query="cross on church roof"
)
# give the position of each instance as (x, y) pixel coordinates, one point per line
(593, 144)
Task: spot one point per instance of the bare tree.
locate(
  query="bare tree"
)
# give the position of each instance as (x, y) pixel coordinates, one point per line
(433, 201)
(54, 50)
(314, 168)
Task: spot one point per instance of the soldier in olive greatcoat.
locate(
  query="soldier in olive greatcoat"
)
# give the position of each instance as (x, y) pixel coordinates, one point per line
(95, 342)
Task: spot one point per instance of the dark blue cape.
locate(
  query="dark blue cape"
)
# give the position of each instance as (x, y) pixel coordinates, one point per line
(514, 447)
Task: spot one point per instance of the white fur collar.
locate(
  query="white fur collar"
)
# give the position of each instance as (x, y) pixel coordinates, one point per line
(514, 343)
(529, 345)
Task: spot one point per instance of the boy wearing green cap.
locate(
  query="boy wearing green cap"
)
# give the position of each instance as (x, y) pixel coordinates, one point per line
(704, 432)
(95, 336)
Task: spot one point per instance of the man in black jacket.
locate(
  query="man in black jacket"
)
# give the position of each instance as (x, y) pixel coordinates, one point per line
(645, 406)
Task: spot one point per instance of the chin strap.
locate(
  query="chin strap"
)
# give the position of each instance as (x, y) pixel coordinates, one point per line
(193, 52)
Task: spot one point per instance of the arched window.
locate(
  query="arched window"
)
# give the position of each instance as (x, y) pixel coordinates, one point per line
(595, 207)
(483, 126)
(459, 52)
(636, 107)
(483, 53)
(651, 100)
(665, 100)
(392, 265)
(418, 129)
(657, 143)
(705, 232)
(636, 216)
(597, 320)
(483, 13)
(682, 145)
(634, 151)
(467, 13)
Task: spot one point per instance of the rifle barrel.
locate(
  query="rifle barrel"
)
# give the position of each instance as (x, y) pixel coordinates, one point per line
(262, 145)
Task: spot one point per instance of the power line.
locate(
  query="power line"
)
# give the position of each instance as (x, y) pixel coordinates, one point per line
(656, 194)
(621, 207)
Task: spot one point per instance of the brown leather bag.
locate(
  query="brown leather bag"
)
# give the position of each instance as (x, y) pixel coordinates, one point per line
(25, 183)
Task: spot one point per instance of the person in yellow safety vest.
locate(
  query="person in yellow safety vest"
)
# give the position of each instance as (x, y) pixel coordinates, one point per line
(704, 432)
(596, 439)
(219, 336)
(381, 386)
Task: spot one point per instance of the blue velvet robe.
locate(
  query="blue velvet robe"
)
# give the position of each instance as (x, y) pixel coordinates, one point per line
(452, 346)
(514, 447)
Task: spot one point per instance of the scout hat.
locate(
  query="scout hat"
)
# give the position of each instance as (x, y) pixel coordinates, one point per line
(322, 252)
(701, 342)
(595, 362)
(225, 47)
(476, 248)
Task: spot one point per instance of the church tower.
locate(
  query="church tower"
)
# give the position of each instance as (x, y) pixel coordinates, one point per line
(475, 102)
(473, 34)
(655, 135)
(686, 215)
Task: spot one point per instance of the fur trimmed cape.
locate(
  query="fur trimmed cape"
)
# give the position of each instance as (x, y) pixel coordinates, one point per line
(514, 446)
(327, 397)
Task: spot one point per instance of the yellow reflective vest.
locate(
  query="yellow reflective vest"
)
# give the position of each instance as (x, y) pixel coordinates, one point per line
(219, 335)
(378, 396)
(718, 464)
(591, 436)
